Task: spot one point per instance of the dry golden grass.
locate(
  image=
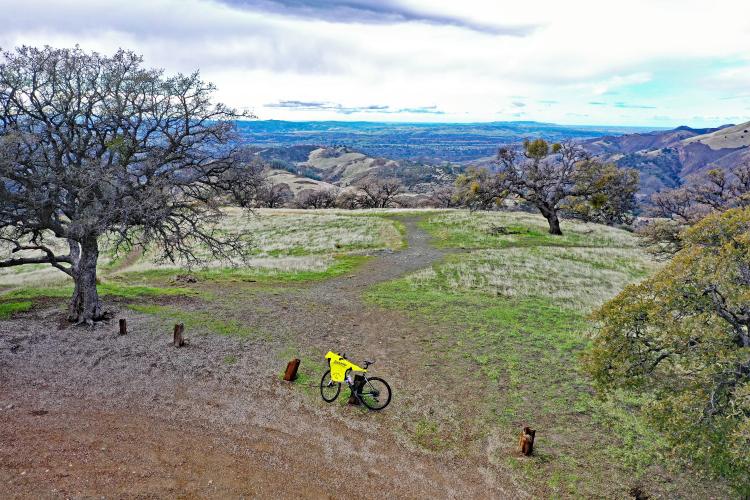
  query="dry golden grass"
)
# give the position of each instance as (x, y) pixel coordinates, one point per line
(737, 136)
(283, 241)
(573, 278)
(460, 228)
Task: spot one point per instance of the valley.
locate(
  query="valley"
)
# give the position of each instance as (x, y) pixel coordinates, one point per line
(664, 158)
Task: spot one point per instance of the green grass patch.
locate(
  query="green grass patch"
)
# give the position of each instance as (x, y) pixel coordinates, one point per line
(579, 278)
(401, 228)
(513, 361)
(39, 292)
(8, 309)
(107, 289)
(428, 434)
(196, 320)
(342, 264)
(310, 371)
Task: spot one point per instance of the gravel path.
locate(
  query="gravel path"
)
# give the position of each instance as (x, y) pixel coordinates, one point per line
(89, 413)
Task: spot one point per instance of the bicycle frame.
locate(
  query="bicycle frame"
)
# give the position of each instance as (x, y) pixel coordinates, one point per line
(340, 367)
(365, 390)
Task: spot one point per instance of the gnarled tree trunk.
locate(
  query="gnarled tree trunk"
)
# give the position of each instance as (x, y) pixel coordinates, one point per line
(84, 305)
(554, 222)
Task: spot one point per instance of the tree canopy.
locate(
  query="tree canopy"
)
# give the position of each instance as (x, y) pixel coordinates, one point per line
(683, 337)
(93, 147)
(553, 178)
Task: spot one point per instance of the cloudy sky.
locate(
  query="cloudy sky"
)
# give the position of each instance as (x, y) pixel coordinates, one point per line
(635, 62)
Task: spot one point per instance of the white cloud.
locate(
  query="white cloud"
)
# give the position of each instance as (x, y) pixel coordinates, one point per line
(466, 59)
(619, 81)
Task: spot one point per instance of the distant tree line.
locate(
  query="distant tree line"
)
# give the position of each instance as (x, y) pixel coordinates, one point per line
(367, 193)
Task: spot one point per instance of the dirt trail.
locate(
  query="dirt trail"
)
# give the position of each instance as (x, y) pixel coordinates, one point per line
(89, 413)
(389, 264)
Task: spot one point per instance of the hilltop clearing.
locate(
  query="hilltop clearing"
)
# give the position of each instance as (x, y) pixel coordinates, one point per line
(477, 330)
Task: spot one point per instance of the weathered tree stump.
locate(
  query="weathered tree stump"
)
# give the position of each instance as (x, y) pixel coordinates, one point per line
(123, 326)
(359, 381)
(291, 370)
(637, 493)
(179, 330)
(526, 442)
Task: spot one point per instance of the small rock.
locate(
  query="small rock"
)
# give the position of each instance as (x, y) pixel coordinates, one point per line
(186, 278)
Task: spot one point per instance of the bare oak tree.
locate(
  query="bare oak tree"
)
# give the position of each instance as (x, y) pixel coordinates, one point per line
(316, 198)
(715, 191)
(479, 189)
(676, 209)
(95, 147)
(379, 193)
(444, 197)
(554, 178)
(275, 196)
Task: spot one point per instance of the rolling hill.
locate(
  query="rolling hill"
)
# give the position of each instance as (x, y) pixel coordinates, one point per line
(666, 159)
(318, 167)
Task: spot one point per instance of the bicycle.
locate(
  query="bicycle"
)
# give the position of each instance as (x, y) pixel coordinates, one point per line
(374, 392)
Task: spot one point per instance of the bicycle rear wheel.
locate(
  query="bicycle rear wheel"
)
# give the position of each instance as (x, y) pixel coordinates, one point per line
(329, 390)
(375, 393)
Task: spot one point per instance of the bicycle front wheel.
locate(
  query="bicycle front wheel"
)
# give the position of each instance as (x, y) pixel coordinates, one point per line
(375, 393)
(329, 389)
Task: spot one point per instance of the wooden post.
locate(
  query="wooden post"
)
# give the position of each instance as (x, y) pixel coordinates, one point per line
(123, 326)
(291, 370)
(359, 380)
(526, 442)
(179, 329)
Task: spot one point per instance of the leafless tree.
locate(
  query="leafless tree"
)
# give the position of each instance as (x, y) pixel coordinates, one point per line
(479, 189)
(274, 196)
(94, 147)
(714, 191)
(541, 178)
(316, 198)
(379, 193)
(444, 197)
(349, 199)
(247, 184)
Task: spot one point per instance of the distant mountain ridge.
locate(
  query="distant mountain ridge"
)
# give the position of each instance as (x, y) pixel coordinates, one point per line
(321, 155)
(665, 159)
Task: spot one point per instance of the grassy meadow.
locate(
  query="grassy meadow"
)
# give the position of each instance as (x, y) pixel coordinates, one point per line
(511, 320)
(294, 245)
(507, 316)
